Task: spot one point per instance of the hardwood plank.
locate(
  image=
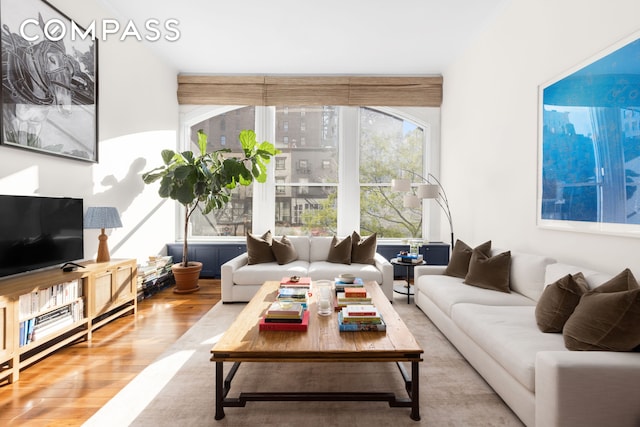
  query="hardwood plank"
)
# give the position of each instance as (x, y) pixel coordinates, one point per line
(69, 386)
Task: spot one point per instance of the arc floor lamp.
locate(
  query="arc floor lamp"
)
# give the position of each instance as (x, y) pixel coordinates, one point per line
(431, 188)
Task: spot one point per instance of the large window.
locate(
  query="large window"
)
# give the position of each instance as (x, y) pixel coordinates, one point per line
(222, 131)
(335, 167)
(390, 147)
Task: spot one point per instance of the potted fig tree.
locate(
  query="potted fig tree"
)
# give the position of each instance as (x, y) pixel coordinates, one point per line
(206, 179)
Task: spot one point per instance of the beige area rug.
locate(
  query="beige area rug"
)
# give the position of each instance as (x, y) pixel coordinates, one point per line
(178, 389)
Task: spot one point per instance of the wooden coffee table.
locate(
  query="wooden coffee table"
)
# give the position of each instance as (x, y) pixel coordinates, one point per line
(322, 342)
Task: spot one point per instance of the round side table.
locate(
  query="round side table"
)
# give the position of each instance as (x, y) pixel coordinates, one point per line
(408, 291)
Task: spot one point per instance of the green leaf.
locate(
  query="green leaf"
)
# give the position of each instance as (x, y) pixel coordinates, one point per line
(202, 142)
(167, 156)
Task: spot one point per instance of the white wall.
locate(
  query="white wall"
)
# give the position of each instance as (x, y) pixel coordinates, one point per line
(490, 120)
(138, 116)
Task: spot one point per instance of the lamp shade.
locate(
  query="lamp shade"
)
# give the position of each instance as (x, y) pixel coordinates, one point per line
(428, 191)
(102, 217)
(410, 201)
(403, 185)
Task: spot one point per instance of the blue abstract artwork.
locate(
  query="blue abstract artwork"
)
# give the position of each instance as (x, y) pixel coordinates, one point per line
(590, 142)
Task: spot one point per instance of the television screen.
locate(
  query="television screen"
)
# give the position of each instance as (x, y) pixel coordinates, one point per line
(38, 232)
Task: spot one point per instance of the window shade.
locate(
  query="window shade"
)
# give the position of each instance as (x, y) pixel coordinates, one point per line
(310, 90)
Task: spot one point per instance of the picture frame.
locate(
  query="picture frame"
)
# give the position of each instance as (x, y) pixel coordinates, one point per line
(589, 145)
(49, 82)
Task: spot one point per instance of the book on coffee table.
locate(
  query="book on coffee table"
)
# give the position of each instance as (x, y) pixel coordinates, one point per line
(285, 326)
(301, 282)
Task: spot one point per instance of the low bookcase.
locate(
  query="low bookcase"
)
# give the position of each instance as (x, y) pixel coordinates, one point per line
(44, 311)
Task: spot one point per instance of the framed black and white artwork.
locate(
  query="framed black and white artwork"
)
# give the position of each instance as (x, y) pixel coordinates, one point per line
(49, 81)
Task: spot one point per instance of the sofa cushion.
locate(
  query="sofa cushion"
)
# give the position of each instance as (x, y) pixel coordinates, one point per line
(558, 301)
(461, 256)
(259, 273)
(558, 270)
(447, 291)
(509, 335)
(283, 250)
(489, 272)
(324, 270)
(607, 317)
(259, 248)
(340, 250)
(319, 248)
(527, 275)
(363, 250)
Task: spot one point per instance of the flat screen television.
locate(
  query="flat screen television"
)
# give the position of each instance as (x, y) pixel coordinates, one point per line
(38, 232)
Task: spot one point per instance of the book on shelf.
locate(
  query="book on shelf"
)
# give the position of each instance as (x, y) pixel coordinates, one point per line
(285, 326)
(360, 327)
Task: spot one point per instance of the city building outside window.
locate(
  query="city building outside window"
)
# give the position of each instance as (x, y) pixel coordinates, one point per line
(305, 177)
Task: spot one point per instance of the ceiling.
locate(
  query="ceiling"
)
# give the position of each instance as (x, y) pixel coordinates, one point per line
(280, 37)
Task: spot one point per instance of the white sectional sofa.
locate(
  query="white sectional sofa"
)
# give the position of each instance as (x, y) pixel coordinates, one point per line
(240, 281)
(545, 384)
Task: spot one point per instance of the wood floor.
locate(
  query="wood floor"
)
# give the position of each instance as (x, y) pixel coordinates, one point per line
(69, 386)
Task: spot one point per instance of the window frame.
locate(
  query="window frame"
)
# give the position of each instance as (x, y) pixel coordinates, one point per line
(348, 177)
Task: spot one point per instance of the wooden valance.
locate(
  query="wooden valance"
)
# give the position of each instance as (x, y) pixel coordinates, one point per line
(310, 90)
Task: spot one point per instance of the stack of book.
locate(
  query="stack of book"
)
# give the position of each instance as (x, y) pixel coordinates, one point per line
(296, 282)
(340, 285)
(293, 295)
(294, 289)
(352, 296)
(353, 318)
(45, 324)
(154, 276)
(285, 316)
(410, 258)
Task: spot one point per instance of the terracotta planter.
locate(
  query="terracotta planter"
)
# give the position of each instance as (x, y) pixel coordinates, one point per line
(186, 277)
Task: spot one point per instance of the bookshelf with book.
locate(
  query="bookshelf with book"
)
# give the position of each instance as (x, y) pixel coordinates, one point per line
(43, 311)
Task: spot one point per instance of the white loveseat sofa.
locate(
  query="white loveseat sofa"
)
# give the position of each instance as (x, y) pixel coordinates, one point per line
(545, 384)
(240, 281)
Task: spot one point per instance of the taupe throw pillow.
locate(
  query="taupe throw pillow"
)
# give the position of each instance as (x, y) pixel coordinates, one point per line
(363, 251)
(461, 255)
(284, 251)
(259, 248)
(340, 250)
(489, 272)
(558, 301)
(607, 317)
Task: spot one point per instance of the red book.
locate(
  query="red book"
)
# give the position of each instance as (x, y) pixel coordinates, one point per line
(283, 326)
(355, 292)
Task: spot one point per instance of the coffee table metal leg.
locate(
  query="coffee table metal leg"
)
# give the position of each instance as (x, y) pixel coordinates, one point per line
(219, 391)
(415, 393)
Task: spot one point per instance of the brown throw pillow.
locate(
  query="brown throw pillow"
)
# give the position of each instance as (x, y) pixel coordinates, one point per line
(284, 250)
(259, 248)
(340, 250)
(363, 251)
(461, 255)
(489, 272)
(607, 317)
(558, 300)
